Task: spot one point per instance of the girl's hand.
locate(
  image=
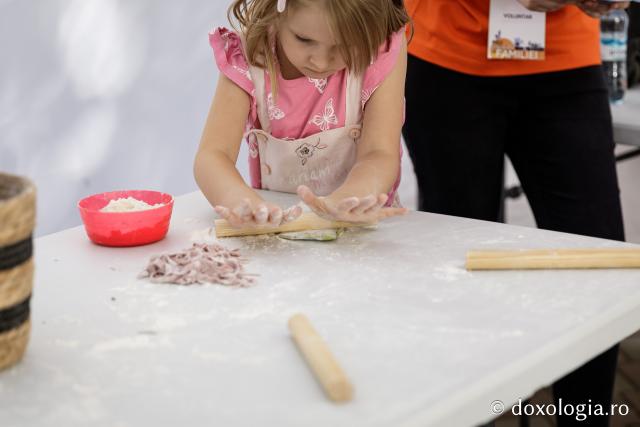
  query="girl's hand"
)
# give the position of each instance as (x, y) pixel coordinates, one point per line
(367, 209)
(251, 214)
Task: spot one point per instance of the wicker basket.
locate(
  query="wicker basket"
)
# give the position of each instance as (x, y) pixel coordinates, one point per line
(17, 219)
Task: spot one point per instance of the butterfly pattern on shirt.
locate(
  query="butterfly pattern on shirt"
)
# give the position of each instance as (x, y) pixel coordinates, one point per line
(225, 37)
(320, 84)
(365, 95)
(326, 118)
(274, 112)
(243, 71)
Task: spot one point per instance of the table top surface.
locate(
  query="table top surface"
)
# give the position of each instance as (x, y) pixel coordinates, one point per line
(424, 341)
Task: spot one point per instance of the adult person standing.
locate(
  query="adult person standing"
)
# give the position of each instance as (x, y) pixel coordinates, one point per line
(633, 52)
(546, 108)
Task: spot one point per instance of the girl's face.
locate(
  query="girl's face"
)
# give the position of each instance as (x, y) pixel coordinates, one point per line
(306, 46)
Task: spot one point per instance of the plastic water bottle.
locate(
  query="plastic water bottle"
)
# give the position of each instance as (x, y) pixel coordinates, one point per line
(613, 48)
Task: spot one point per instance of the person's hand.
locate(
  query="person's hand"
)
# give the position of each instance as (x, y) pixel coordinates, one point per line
(546, 5)
(248, 214)
(593, 8)
(360, 210)
(596, 9)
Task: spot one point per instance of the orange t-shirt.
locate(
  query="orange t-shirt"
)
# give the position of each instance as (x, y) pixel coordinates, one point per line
(453, 34)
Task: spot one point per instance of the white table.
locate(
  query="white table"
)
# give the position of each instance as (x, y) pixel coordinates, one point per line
(425, 342)
(626, 119)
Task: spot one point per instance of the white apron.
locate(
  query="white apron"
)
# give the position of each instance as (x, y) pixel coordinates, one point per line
(321, 161)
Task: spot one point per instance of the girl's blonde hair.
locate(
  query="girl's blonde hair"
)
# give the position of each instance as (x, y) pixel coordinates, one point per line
(360, 26)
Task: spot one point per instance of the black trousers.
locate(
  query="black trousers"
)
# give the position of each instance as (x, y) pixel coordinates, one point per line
(556, 129)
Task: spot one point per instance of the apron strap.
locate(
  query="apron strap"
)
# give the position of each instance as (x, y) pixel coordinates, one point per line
(257, 76)
(252, 135)
(353, 100)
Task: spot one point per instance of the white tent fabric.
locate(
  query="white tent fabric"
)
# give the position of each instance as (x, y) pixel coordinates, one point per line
(100, 95)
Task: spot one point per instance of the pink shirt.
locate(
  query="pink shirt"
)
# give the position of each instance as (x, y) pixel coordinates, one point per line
(305, 106)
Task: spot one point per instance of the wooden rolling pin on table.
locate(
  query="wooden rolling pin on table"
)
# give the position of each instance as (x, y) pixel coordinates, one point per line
(319, 358)
(553, 259)
(306, 221)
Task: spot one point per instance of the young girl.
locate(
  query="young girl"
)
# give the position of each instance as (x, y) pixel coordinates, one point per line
(317, 89)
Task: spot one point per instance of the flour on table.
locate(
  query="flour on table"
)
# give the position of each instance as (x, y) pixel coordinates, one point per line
(319, 235)
(205, 235)
(201, 263)
(129, 204)
(450, 272)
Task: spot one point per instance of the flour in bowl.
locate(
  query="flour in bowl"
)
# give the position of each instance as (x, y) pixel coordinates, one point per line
(128, 204)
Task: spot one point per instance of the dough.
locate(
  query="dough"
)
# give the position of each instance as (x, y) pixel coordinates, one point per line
(201, 263)
(318, 235)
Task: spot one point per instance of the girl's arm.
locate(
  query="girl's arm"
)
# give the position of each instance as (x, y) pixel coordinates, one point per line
(378, 151)
(363, 194)
(214, 165)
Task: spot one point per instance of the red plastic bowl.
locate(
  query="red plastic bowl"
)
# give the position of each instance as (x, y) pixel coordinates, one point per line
(131, 228)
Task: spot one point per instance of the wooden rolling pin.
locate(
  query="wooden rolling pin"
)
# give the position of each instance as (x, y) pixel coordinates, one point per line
(306, 221)
(319, 358)
(553, 259)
